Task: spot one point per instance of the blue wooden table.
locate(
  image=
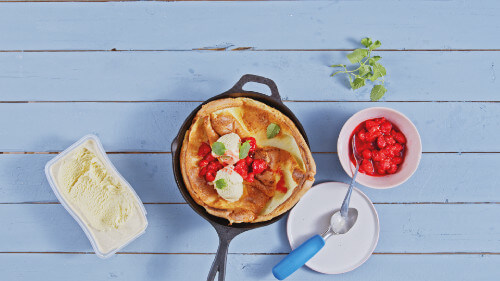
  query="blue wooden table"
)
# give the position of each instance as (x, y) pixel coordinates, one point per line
(130, 72)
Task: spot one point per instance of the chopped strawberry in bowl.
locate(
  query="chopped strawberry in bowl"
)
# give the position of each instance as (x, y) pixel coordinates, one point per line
(387, 141)
(382, 146)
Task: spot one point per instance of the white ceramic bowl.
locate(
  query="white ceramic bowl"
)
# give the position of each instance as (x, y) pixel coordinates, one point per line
(413, 147)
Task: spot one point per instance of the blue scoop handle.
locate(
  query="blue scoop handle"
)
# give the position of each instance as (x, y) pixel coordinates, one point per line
(298, 257)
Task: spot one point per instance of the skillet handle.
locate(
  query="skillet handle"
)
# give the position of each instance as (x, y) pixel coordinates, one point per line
(238, 87)
(219, 264)
(226, 234)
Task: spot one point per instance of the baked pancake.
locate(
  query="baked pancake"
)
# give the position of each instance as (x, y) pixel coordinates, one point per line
(245, 161)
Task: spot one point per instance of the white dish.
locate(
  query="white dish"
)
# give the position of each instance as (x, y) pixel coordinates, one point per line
(104, 243)
(311, 216)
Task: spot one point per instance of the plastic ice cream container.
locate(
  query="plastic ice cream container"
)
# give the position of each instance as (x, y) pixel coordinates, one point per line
(97, 196)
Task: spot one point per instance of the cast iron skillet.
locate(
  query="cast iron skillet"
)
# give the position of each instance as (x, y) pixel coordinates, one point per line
(225, 231)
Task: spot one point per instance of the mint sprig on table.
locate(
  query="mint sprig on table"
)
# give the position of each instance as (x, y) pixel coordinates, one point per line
(369, 69)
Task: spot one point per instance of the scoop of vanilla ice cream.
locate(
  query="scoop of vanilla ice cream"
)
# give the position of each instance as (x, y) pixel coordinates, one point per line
(234, 189)
(232, 155)
(100, 196)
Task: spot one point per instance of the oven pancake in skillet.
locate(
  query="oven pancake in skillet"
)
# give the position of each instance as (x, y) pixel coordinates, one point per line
(268, 182)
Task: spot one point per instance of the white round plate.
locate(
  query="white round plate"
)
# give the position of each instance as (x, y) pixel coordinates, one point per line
(311, 216)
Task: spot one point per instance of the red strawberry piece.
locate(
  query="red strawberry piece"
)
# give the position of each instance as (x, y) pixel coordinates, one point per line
(203, 172)
(380, 171)
(209, 176)
(219, 165)
(385, 164)
(202, 163)
(379, 120)
(252, 141)
(248, 160)
(373, 134)
(362, 135)
(241, 168)
(360, 146)
(396, 148)
(367, 154)
(381, 142)
(204, 149)
(389, 140)
(242, 163)
(393, 169)
(212, 166)
(376, 156)
(209, 157)
(258, 166)
(250, 177)
(399, 137)
(386, 127)
(367, 166)
(397, 160)
(369, 145)
(371, 124)
(242, 171)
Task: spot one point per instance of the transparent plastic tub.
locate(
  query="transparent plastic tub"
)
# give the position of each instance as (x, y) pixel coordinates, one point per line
(99, 238)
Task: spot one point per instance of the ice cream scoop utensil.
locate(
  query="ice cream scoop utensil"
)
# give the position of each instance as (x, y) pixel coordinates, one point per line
(303, 253)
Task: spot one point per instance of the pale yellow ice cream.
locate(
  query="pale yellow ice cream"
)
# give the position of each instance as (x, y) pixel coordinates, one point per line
(102, 199)
(231, 142)
(233, 182)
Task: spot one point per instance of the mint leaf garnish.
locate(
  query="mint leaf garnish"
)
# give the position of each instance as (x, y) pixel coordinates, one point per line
(357, 55)
(363, 70)
(369, 69)
(272, 130)
(220, 183)
(378, 92)
(358, 83)
(244, 149)
(375, 45)
(218, 148)
(366, 42)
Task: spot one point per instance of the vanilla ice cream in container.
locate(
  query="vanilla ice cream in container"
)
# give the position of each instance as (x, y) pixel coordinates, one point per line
(97, 196)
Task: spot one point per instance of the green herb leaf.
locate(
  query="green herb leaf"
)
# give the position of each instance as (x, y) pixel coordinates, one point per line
(378, 71)
(368, 68)
(377, 67)
(373, 60)
(218, 148)
(366, 42)
(272, 130)
(357, 55)
(375, 45)
(358, 83)
(220, 183)
(244, 149)
(363, 70)
(378, 92)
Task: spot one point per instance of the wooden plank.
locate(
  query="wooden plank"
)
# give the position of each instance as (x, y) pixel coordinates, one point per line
(196, 76)
(445, 178)
(151, 126)
(175, 228)
(241, 267)
(378, 268)
(262, 25)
